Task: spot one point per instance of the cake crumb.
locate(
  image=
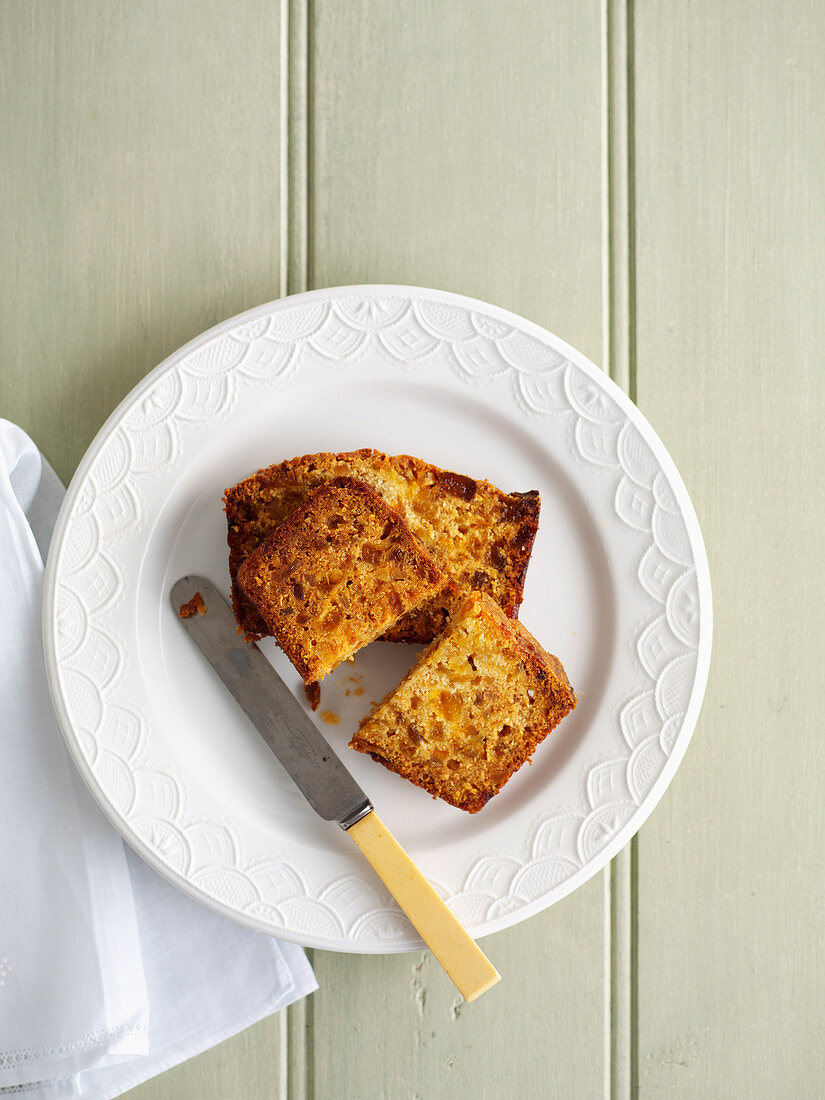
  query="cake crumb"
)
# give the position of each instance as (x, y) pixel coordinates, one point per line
(195, 606)
(330, 717)
(313, 694)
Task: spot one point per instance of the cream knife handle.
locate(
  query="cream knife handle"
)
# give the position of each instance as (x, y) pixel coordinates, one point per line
(462, 958)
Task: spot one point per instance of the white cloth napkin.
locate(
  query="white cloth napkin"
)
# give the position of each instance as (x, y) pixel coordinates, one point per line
(108, 974)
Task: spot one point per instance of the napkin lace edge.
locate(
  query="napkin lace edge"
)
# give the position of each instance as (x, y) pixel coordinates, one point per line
(30, 1086)
(24, 1056)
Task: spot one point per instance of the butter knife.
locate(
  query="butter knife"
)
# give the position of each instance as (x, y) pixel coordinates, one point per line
(324, 780)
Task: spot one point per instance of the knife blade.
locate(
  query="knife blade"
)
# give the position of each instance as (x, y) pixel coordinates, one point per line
(323, 779)
(271, 707)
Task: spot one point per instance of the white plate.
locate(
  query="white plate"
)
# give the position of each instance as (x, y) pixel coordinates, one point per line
(618, 588)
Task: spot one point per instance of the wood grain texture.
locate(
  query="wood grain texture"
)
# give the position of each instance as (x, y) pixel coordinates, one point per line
(730, 179)
(139, 198)
(457, 146)
(249, 1066)
(394, 1027)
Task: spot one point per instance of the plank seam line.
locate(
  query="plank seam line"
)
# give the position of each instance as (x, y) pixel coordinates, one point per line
(283, 1054)
(631, 202)
(619, 358)
(283, 130)
(295, 161)
(297, 1056)
(300, 1023)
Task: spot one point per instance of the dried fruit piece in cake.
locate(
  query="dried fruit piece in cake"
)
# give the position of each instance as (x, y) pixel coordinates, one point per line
(481, 537)
(472, 710)
(336, 574)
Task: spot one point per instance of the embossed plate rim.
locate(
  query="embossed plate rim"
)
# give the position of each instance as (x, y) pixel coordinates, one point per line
(570, 361)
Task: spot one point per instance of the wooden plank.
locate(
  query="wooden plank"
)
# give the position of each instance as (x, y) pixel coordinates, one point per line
(730, 178)
(394, 1026)
(457, 146)
(140, 195)
(139, 204)
(248, 1066)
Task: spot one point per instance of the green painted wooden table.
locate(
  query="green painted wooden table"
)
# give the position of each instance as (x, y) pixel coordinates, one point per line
(644, 178)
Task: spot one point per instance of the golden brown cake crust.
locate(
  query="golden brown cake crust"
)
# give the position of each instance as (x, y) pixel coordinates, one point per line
(472, 710)
(338, 572)
(481, 537)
